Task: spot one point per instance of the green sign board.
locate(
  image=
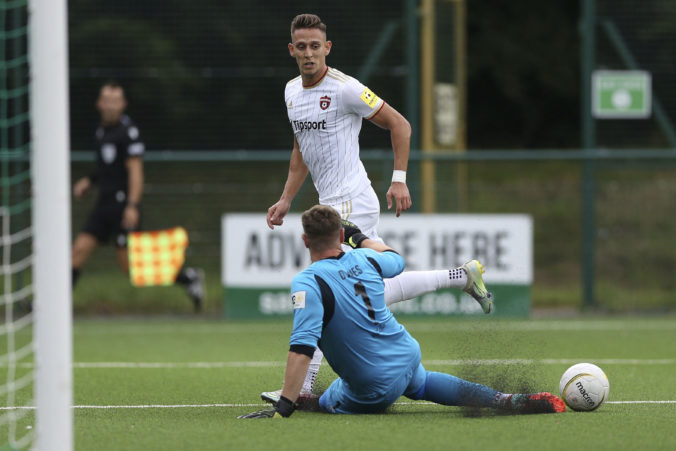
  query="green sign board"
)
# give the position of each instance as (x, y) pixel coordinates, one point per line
(510, 301)
(259, 264)
(621, 94)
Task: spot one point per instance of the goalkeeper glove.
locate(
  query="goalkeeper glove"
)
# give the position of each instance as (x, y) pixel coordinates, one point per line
(353, 236)
(284, 408)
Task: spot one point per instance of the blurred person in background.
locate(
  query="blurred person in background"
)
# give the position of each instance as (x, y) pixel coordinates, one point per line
(325, 109)
(119, 177)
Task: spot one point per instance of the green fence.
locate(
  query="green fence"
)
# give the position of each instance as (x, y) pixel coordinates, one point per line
(628, 256)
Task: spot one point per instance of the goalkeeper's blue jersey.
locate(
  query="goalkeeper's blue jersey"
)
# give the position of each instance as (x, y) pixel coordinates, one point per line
(339, 305)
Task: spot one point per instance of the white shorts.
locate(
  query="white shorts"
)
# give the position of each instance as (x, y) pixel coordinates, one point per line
(363, 210)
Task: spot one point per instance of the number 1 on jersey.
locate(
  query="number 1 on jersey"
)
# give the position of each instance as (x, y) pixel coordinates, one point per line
(360, 290)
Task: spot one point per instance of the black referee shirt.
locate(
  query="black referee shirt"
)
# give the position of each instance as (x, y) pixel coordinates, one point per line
(115, 144)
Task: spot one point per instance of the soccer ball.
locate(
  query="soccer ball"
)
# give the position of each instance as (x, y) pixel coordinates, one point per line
(584, 386)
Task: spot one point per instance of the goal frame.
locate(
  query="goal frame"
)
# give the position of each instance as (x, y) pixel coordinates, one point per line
(50, 166)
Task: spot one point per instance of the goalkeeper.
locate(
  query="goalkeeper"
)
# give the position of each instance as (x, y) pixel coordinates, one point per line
(339, 304)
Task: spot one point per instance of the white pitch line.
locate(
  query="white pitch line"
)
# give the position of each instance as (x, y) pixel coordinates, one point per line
(164, 365)
(271, 364)
(253, 364)
(640, 402)
(199, 406)
(451, 362)
(551, 361)
(112, 328)
(147, 406)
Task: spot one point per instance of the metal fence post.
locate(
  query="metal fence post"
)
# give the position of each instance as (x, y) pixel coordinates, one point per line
(587, 30)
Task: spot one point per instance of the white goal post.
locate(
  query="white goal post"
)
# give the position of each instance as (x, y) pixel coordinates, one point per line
(50, 165)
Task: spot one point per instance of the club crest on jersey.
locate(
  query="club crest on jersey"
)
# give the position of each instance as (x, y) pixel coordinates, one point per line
(324, 102)
(108, 152)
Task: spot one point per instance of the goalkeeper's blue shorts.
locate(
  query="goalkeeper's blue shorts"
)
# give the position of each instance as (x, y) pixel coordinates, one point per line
(340, 398)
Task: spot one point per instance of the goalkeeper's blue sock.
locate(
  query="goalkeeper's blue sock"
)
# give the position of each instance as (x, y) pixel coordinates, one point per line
(449, 390)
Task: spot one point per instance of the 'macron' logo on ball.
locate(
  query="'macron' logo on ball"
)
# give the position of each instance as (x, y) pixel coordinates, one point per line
(324, 102)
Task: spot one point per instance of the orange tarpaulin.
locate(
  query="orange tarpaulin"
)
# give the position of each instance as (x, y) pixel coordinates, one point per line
(155, 257)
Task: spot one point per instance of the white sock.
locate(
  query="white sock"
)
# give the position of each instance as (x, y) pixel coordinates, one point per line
(411, 284)
(311, 375)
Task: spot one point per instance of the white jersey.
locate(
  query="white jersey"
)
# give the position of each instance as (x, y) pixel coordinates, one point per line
(326, 119)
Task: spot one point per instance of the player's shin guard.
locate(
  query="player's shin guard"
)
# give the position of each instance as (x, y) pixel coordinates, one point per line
(449, 390)
(313, 369)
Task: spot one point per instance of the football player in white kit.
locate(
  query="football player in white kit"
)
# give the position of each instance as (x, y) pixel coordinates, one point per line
(325, 109)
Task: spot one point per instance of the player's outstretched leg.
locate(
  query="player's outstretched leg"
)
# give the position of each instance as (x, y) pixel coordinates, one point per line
(192, 279)
(534, 403)
(411, 284)
(449, 390)
(475, 285)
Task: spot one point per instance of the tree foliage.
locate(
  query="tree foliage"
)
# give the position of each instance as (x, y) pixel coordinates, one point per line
(208, 74)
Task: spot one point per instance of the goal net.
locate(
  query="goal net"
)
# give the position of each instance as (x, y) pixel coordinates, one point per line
(35, 334)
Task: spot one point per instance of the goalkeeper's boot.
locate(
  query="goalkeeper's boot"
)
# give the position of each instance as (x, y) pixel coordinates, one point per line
(195, 287)
(305, 401)
(475, 285)
(271, 396)
(536, 403)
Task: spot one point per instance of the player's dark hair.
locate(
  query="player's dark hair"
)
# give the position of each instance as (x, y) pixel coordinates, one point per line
(303, 21)
(114, 84)
(321, 225)
(111, 84)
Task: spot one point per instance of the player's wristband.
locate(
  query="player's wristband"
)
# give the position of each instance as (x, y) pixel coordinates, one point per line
(132, 204)
(355, 240)
(285, 407)
(399, 176)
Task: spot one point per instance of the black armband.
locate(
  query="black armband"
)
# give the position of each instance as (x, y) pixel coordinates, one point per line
(302, 349)
(285, 407)
(93, 177)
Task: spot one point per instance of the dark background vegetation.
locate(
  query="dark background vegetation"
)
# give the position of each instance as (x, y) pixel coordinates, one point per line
(208, 74)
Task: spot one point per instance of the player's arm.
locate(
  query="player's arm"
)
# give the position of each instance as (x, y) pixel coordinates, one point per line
(82, 186)
(297, 363)
(297, 174)
(354, 238)
(376, 245)
(308, 314)
(389, 262)
(130, 216)
(400, 132)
